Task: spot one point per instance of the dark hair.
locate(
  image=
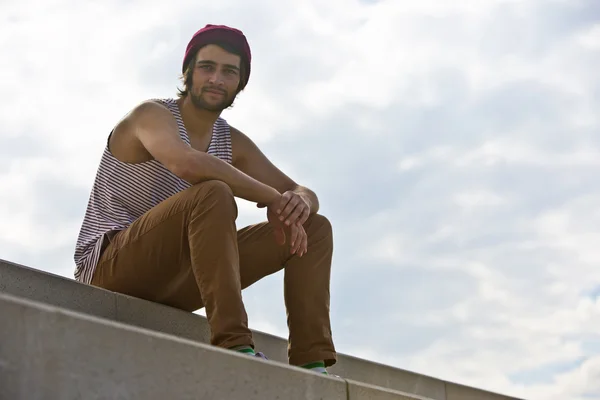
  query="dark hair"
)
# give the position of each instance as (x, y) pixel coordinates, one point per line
(186, 77)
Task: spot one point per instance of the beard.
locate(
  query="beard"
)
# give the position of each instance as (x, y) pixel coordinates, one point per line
(199, 101)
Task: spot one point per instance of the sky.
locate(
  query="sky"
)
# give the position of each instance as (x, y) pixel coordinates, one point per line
(454, 146)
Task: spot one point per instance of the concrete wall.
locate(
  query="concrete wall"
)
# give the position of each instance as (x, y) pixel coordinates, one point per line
(48, 353)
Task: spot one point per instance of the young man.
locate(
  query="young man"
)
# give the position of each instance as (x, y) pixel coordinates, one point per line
(160, 222)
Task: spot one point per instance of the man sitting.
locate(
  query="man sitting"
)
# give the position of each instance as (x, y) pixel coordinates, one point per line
(160, 222)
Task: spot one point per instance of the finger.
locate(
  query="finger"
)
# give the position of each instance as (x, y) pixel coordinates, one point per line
(294, 237)
(279, 236)
(298, 243)
(298, 211)
(291, 205)
(304, 244)
(304, 217)
(285, 198)
(283, 236)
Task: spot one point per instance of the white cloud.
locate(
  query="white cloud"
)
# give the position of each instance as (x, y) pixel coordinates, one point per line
(590, 38)
(478, 198)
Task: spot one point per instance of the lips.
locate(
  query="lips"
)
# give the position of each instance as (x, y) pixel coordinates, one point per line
(215, 92)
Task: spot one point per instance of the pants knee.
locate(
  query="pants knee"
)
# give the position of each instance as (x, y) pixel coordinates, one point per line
(216, 194)
(215, 186)
(320, 227)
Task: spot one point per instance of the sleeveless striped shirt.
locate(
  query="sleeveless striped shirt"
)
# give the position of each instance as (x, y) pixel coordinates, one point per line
(122, 192)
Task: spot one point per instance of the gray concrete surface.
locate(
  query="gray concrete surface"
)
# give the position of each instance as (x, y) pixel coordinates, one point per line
(363, 391)
(460, 392)
(385, 376)
(145, 314)
(56, 290)
(50, 353)
(53, 289)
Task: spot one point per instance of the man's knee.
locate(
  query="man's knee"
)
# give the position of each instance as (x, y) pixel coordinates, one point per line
(319, 225)
(214, 187)
(216, 194)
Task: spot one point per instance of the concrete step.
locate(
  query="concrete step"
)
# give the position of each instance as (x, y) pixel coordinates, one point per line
(47, 352)
(54, 290)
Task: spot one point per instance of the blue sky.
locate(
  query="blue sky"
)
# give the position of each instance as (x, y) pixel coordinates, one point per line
(455, 146)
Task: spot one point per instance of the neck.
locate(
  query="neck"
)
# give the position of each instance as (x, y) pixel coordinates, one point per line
(198, 122)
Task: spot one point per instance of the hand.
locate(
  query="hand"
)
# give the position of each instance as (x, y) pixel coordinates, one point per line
(298, 237)
(292, 208)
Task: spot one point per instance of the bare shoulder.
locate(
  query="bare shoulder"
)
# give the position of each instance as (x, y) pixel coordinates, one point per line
(147, 112)
(124, 143)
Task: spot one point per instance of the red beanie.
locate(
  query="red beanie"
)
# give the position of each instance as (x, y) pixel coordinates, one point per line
(220, 33)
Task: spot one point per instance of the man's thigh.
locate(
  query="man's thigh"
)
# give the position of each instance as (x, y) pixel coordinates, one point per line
(151, 258)
(259, 253)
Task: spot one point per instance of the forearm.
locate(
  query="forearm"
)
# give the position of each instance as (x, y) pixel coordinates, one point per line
(201, 167)
(309, 196)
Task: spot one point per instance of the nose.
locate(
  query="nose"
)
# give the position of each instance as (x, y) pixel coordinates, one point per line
(216, 78)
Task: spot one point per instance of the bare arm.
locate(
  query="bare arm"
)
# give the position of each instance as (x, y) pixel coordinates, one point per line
(252, 161)
(296, 203)
(155, 128)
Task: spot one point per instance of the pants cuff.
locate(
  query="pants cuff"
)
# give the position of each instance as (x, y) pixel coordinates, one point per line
(241, 341)
(327, 356)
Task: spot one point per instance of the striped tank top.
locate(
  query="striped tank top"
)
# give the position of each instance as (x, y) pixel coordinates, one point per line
(123, 192)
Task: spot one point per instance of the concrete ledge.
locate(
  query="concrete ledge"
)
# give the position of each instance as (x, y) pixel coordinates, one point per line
(50, 353)
(145, 314)
(388, 377)
(59, 291)
(54, 289)
(362, 391)
(460, 392)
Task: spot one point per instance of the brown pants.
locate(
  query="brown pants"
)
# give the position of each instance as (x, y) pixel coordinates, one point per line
(186, 253)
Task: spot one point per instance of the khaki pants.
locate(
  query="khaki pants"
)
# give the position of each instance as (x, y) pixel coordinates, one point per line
(187, 253)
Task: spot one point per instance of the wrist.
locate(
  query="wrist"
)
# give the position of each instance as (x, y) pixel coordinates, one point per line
(274, 198)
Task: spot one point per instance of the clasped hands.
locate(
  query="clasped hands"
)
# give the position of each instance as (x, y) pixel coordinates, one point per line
(287, 216)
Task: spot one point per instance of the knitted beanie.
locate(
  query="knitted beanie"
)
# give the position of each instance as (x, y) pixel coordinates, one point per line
(220, 33)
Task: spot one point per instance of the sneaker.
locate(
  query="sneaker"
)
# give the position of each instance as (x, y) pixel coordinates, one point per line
(261, 355)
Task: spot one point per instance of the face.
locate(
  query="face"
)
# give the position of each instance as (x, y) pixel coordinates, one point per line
(215, 78)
